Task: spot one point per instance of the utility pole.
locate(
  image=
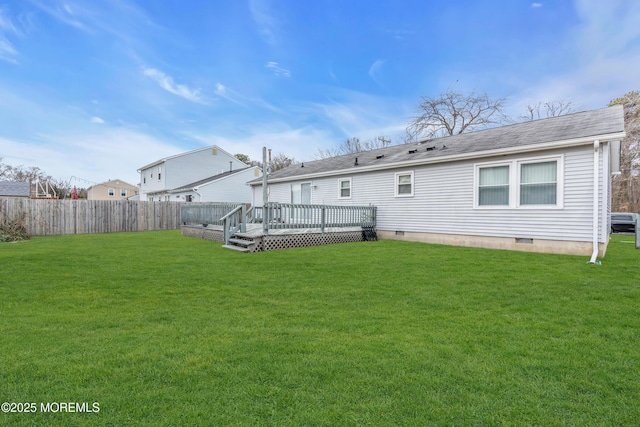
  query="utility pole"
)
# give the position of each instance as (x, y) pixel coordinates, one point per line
(265, 194)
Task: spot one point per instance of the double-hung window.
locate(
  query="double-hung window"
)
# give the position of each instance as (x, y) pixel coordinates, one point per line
(345, 188)
(404, 184)
(493, 186)
(539, 183)
(526, 183)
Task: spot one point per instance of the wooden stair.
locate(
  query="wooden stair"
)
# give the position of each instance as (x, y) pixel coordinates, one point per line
(240, 243)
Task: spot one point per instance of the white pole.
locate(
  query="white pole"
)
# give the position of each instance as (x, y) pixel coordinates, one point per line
(265, 195)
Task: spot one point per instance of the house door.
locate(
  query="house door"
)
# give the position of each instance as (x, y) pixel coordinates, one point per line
(301, 193)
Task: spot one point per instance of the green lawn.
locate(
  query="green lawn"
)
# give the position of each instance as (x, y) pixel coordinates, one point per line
(160, 329)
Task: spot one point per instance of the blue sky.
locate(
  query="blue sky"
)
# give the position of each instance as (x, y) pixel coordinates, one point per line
(95, 89)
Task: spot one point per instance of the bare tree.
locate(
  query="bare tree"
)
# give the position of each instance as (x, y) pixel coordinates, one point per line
(21, 173)
(626, 186)
(354, 145)
(452, 113)
(548, 109)
(281, 161)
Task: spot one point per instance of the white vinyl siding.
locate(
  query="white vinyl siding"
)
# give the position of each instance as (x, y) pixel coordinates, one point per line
(231, 188)
(445, 199)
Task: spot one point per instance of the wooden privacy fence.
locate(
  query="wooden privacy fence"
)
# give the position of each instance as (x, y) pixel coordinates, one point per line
(49, 217)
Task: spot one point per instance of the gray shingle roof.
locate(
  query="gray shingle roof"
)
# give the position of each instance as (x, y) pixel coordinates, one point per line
(15, 189)
(586, 124)
(206, 181)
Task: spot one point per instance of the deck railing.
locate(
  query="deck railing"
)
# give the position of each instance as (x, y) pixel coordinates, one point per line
(287, 215)
(234, 221)
(234, 217)
(206, 213)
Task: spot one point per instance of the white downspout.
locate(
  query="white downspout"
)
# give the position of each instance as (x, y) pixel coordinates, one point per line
(596, 183)
(195, 190)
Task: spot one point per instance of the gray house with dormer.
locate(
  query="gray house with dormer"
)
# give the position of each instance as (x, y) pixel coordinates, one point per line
(543, 185)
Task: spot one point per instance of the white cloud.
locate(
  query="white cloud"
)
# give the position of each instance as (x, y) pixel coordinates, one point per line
(605, 57)
(264, 19)
(300, 143)
(364, 116)
(97, 120)
(536, 5)
(375, 71)
(229, 94)
(91, 156)
(8, 52)
(277, 70)
(166, 82)
(65, 13)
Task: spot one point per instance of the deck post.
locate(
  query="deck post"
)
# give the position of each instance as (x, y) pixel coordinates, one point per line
(243, 219)
(322, 219)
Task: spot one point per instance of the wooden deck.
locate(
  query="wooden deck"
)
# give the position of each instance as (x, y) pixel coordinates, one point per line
(255, 240)
(278, 225)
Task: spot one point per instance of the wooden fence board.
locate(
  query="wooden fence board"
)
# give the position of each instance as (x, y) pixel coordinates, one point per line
(52, 217)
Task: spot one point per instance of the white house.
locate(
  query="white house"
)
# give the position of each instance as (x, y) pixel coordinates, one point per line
(159, 178)
(223, 187)
(542, 185)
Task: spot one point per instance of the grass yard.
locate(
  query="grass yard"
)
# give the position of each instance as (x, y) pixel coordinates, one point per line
(164, 330)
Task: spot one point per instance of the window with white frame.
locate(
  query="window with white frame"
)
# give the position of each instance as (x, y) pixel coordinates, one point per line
(539, 183)
(404, 184)
(111, 192)
(493, 185)
(345, 188)
(123, 192)
(524, 183)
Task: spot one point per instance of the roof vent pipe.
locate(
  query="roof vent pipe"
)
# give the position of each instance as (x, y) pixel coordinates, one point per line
(230, 166)
(356, 163)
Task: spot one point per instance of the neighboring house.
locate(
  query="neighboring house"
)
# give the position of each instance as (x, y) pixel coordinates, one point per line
(115, 189)
(15, 189)
(223, 187)
(157, 179)
(529, 186)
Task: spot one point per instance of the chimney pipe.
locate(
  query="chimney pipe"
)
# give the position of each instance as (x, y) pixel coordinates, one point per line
(230, 166)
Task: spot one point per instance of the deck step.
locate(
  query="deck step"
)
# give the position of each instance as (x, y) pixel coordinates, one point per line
(237, 243)
(241, 242)
(236, 248)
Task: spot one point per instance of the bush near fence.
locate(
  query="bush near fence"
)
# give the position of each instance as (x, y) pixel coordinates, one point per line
(52, 217)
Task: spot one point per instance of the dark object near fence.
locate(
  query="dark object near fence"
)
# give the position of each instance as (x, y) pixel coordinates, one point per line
(369, 234)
